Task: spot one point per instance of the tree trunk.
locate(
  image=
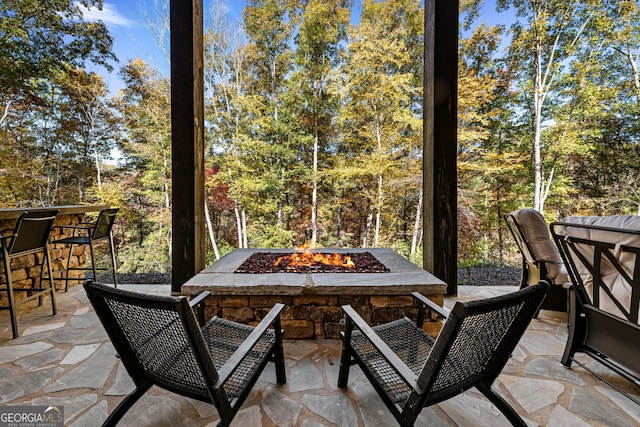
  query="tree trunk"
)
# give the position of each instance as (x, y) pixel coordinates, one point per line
(282, 183)
(238, 223)
(212, 238)
(6, 112)
(245, 241)
(416, 225)
(167, 198)
(314, 193)
(98, 172)
(537, 118)
(367, 229)
(376, 238)
(634, 72)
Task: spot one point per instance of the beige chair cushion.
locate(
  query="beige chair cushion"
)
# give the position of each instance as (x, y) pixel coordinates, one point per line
(536, 233)
(611, 278)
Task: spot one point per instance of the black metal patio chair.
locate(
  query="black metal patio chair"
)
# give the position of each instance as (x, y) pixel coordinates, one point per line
(89, 233)
(602, 254)
(161, 343)
(410, 370)
(29, 236)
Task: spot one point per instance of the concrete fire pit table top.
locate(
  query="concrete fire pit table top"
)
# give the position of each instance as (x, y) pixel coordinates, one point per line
(403, 278)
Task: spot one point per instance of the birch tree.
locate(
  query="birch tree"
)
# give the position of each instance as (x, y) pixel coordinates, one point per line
(378, 120)
(322, 29)
(263, 150)
(545, 36)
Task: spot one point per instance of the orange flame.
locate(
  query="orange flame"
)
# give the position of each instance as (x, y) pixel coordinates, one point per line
(304, 256)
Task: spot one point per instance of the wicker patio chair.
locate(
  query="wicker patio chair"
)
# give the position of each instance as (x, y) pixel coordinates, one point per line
(540, 257)
(90, 233)
(29, 236)
(410, 370)
(161, 343)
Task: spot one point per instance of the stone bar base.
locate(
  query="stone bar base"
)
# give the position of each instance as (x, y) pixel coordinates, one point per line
(313, 300)
(25, 270)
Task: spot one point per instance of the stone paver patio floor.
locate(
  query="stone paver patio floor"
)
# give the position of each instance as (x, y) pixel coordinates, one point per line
(67, 360)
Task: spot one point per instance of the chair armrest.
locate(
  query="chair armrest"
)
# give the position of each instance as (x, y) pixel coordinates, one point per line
(198, 303)
(227, 369)
(387, 353)
(444, 312)
(4, 239)
(197, 300)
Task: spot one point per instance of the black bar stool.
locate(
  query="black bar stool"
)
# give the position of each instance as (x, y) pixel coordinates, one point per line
(30, 236)
(88, 233)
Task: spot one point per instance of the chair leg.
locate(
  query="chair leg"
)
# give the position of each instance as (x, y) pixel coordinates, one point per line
(11, 297)
(502, 405)
(345, 358)
(113, 260)
(114, 417)
(278, 353)
(576, 330)
(41, 286)
(93, 261)
(66, 273)
(52, 288)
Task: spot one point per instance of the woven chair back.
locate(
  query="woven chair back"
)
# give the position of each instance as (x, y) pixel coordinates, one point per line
(152, 333)
(477, 340)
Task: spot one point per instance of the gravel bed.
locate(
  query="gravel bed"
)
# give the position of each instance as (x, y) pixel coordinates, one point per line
(489, 276)
(136, 278)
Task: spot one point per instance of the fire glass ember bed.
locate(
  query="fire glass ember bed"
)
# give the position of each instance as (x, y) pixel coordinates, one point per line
(307, 261)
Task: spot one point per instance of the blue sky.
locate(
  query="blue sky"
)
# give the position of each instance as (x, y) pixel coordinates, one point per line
(132, 37)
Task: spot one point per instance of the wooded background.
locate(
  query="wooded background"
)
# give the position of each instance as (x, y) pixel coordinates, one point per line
(314, 122)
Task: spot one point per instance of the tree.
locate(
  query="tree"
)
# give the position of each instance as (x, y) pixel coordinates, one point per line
(542, 43)
(59, 146)
(40, 38)
(263, 147)
(88, 129)
(322, 29)
(489, 157)
(378, 121)
(224, 81)
(144, 107)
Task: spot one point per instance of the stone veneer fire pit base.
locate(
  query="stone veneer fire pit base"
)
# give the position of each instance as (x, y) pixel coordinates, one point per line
(313, 300)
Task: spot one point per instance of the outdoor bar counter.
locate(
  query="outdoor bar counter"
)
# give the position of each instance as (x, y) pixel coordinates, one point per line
(26, 269)
(14, 213)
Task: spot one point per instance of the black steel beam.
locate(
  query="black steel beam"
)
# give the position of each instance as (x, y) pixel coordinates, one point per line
(440, 225)
(187, 141)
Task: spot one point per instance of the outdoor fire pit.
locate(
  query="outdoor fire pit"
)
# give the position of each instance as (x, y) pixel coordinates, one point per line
(311, 262)
(245, 282)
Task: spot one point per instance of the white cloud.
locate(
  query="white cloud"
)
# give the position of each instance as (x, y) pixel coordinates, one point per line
(109, 15)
